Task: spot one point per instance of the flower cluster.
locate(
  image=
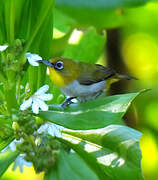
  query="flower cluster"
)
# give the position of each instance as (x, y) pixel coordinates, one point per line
(48, 128)
(36, 102)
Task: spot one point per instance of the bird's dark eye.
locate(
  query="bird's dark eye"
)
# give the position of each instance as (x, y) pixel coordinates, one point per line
(59, 65)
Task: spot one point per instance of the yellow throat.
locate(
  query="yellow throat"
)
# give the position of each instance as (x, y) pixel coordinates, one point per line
(69, 73)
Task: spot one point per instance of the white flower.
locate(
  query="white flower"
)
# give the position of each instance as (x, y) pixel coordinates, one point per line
(32, 58)
(3, 47)
(37, 100)
(20, 162)
(12, 145)
(51, 128)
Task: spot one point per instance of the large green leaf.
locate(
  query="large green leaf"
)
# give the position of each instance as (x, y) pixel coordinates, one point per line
(78, 145)
(31, 21)
(71, 166)
(99, 13)
(100, 18)
(28, 20)
(62, 22)
(51, 174)
(6, 158)
(96, 4)
(92, 114)
(88, 49)
(115, 147)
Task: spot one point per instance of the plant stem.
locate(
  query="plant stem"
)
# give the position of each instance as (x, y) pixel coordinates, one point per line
(10, 90)
(18, 89)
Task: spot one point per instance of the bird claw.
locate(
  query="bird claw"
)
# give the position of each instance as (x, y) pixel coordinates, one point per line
(67, 102)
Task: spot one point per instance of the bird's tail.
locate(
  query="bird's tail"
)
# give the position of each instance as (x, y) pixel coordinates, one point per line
(118, 77)
(122, 76)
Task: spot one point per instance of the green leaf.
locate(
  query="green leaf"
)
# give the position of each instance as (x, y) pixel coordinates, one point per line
(59, 44)
(89, 41)
(38, 21)
(115, 147)
(90, 159)
(98, 13)
(71, 166)
(98, 4)
(51, 174)
(62, 22)
(30, 21)
(5, 142)
(6, 131)
(6, 158)
(92, 114)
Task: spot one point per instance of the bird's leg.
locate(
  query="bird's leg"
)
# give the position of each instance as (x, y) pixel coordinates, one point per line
(67, 102)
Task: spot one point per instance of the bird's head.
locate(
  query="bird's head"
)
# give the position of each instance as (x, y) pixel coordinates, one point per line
(62, 71)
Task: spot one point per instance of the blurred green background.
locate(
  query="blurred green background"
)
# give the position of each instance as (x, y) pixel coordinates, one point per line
(133, 49)
(139, 49)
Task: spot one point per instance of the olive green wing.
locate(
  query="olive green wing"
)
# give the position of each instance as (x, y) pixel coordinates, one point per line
(93, 73)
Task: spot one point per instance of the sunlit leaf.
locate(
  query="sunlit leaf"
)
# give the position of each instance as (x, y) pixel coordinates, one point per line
(92, 114)
(89, 159)
(115, 147)
(5, 142)
(6, 158)
(71, 166)
(85, 46)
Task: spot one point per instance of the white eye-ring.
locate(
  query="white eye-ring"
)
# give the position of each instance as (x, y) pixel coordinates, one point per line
(59, 65)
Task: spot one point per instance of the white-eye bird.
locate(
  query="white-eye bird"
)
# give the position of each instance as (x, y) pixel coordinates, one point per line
(81, 80)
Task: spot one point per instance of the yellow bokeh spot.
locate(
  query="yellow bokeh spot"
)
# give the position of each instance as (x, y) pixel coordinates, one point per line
(149, 153)
(57, 33)
(29, 173)
(140, 54)
(151, 114)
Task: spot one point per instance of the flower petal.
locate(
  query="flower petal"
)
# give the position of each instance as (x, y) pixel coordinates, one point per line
(26, 104)
(3, 47)
(42, 90)
(54, 130)
(43, 128)
(45, 97)
(35, 107)
(43, 106)
(20, 162)
(51, 128)
(12, 145)
(32, 62)
(32, 58)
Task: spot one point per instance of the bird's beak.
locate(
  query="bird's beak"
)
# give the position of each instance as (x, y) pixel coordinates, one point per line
(46, 62)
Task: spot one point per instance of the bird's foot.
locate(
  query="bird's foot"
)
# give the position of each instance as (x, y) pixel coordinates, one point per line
(98, 94)
(67, 102)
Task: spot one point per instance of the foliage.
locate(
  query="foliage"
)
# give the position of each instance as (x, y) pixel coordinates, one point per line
(28, 26)
(100, 112)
